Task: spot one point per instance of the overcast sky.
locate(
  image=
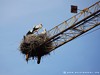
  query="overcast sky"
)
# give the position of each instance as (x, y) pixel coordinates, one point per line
(18, 16)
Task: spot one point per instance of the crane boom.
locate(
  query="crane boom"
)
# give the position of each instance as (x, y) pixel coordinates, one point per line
(70, 29)
(38, 45)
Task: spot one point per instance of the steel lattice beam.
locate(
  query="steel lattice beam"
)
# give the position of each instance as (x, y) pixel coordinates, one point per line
(68, 30)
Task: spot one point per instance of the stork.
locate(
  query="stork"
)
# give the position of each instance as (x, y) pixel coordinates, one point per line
(44, 31)
(37, 27)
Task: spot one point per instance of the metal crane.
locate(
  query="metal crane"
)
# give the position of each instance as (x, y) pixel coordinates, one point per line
(77, 25)
(38, 45)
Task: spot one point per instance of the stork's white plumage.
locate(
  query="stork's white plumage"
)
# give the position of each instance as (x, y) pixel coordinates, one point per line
(44, 31)
(37, 27)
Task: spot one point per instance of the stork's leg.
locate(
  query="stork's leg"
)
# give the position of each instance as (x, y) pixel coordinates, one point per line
(39, 59)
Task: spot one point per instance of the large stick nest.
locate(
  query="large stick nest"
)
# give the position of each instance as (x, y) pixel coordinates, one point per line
(31, 44)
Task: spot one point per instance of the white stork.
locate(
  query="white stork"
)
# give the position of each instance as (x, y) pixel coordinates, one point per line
(37, 27)
(44, 31)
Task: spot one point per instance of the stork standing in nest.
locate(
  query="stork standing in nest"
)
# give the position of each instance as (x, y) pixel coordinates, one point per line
(32, 31)
(35, 29)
